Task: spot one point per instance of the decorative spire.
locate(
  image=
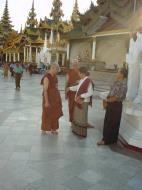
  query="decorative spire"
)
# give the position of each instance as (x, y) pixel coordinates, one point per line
(32, 21)
(75, 14)
(101, 2)
(51, 37)
(56, 12)
(21, 30)
(5, 20)
(33, 4)
(92, 5)
(45, 43)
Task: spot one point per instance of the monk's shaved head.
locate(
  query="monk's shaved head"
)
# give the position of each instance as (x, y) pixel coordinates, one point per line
(54, 67)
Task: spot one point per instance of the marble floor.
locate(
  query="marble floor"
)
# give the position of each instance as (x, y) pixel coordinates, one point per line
(32, 161)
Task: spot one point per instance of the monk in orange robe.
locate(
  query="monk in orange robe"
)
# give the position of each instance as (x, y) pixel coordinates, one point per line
(6, 69)
(72, 79)
(51, 105)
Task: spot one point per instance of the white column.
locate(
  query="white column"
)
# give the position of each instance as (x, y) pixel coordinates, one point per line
(36, 55)
(27, 54)
(68, 51)
(63, 59)
(9, 57)
(135, 3)
(50, 54)
(18, 56)
(94, 49)
(138, 98)
(14, 57)
(6, 57)
(51, 37)
(57, 58)
(30, 54)
(24, 54)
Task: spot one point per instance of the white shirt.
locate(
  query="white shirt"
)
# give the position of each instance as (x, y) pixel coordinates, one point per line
(86, 95)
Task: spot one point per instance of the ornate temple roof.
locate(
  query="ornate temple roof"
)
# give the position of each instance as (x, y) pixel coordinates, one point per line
(31, 31)
(14, 43)
(46, 23)
(109, 15)
(135, 23)
(39, 40)
(76, 33)
(111, 24)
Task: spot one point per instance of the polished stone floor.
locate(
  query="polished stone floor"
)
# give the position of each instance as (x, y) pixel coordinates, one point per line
(32, 161)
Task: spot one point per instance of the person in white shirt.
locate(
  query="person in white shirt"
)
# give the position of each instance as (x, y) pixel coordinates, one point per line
(83, 98)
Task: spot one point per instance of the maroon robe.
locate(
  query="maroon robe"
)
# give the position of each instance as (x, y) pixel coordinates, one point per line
(73, 77)
(83, 89)
(51, 114)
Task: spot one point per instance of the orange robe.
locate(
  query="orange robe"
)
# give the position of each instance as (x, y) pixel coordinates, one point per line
(73, 78)
(5, 68)
(51, 114)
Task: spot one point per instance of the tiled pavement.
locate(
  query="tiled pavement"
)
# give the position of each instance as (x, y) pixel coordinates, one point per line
(31, 161)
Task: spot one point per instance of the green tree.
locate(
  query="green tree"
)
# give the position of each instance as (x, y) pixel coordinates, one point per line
(6, 26)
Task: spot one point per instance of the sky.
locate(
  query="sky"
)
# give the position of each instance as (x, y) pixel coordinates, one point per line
(19, 9)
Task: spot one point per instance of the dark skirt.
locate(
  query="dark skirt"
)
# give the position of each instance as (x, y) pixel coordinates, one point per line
(80, 120)
(18, 77)
(112, 122)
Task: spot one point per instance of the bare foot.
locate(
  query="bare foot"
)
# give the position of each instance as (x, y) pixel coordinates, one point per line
(43, 132)
(54, 132)
(101, 143)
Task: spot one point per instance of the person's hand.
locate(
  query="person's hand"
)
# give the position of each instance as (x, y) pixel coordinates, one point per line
(105, 104)
(66, 93)
(47, 104)
(79, 100)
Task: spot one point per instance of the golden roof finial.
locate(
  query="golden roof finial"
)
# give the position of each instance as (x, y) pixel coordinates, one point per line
(75, 14)
(33, 4)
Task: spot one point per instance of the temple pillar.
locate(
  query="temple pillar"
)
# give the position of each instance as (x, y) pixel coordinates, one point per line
(36, 55)
(50, 55)
(27, 54)
(6, 59)
(9, 57)
(18, 56)
(68, 51)
(57, 57)
(63, 59)
(30, 54)
(24, 54)
(94, 49)
(14, 57)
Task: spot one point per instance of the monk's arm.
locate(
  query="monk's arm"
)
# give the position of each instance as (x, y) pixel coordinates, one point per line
(67, 80)
(66, 86)
(45, 88)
